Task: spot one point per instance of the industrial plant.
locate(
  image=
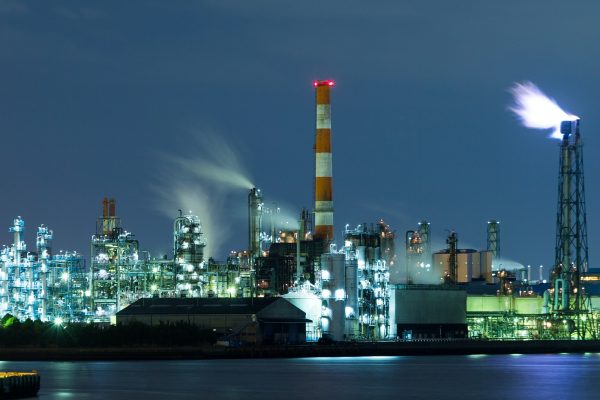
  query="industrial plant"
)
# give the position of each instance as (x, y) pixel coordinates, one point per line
(315, 283)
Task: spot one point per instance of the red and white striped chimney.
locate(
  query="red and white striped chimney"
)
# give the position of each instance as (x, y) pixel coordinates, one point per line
(323, 176)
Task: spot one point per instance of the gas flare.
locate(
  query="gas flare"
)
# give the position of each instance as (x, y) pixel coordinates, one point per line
(538, 111)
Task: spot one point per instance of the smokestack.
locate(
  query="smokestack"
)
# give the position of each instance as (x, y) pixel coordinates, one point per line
(112, 208)
(105, 207)
(108, 219)
(323, 170)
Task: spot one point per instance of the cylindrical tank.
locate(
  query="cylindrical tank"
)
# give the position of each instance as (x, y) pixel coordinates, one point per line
(311, 305)
(338, 320)
(338, 272)
(334, 294)
(351, 285)
(361, 256)
(486, 265)
(351, 309)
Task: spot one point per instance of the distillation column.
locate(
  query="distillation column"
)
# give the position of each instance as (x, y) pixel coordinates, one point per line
(43, 238)
(255, 212)
(323, 164)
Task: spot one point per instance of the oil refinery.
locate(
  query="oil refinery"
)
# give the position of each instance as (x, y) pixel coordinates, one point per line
(358, 284)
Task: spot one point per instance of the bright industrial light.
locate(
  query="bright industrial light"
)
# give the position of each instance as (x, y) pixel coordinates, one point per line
(153, 287)
(538, 111)
(326, 293)
(64, 276)
(340, 294)
(325, 275)
(349, 312)
(58, 321)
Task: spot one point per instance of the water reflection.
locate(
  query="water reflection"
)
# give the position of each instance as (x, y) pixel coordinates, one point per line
(448, 377)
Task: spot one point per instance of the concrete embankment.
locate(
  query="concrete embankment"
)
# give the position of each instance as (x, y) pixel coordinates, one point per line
(310, 350)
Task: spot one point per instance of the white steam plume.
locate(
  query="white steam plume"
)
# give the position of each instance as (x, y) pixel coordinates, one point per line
(504, 263)
(283, 217)
(205, 180)
(215, 163)
(536, 110)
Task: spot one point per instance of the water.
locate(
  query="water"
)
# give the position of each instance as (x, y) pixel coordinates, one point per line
(568, 376)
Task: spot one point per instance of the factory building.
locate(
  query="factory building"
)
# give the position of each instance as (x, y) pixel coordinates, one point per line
(40, 284)
(293, 284)
(418, 254)
(188, 254)
(305, 298)
(246, 321)
(287, 262)
(117, 274)
(368, 260)
(429, 311)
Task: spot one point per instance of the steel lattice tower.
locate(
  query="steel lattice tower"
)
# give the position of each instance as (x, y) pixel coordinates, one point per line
(424, 233)
(493, 238)
(571, 253)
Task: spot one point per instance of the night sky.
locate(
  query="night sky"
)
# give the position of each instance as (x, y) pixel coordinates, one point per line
(144, 101)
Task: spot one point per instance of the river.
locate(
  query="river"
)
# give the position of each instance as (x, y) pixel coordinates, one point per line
(559, 376)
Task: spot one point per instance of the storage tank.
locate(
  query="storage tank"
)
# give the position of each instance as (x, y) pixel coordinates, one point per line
(334, 293)
(486, 265)
(310, 303)
(351, 286)
(476, 266)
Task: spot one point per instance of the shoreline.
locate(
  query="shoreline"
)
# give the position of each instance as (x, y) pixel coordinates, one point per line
(425, 348)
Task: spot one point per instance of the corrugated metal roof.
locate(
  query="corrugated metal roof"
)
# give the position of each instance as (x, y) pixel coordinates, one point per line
(199, 306)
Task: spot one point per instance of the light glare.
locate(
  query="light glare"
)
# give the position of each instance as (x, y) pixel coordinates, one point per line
(538, 111)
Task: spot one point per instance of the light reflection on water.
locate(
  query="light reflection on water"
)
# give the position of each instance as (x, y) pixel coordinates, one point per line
(561, 376)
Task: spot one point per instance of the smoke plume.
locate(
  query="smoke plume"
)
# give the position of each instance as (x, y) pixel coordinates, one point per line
(206, 179)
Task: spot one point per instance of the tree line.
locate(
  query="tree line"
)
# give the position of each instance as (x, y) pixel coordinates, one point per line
(47, 334)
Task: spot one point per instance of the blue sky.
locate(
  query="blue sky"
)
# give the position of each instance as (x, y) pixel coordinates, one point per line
(98, 98)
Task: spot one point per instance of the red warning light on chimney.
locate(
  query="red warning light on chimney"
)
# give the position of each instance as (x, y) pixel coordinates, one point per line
(323, 83)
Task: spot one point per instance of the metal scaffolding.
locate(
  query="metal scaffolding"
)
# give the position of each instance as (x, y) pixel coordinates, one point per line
(363, 247)
(117, 275)
(493, 238)
(188, 254)
(40, 285)
(567, 296)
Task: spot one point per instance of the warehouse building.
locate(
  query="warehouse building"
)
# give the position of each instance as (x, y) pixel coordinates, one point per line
(267, 320)
(429, 312)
